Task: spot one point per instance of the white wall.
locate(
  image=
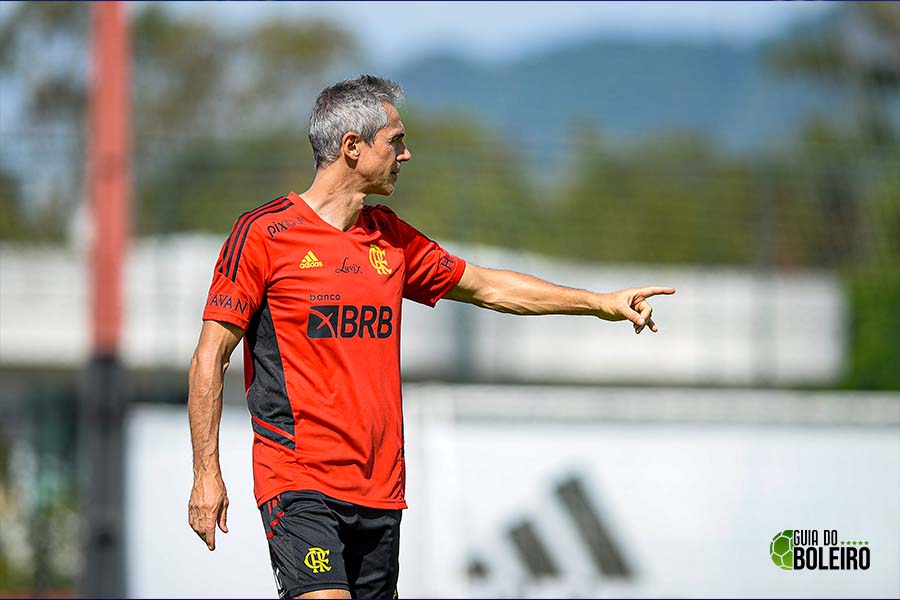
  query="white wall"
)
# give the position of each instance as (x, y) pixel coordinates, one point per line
(692, 485)
(723, 327)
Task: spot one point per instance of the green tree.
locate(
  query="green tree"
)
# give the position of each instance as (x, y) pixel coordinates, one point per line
(193, 84)
(850, 174)
(210, 184)
(666, 200)
(459, 185)
(42, 48)
(465, 183)
(855, 51)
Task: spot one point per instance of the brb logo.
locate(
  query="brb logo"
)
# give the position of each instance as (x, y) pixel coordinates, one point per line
(348, 321)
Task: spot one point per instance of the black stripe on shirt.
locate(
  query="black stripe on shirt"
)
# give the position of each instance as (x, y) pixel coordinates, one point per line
(232, 273)
(243, 222)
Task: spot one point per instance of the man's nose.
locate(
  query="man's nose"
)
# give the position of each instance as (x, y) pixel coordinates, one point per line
(405, 155)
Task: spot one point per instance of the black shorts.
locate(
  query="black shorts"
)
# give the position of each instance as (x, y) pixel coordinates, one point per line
(319, 543)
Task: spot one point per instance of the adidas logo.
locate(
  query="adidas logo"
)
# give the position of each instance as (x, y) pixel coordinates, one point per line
(310, 261)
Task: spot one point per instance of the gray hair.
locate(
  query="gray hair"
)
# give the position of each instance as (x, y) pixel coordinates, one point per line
(350, 105)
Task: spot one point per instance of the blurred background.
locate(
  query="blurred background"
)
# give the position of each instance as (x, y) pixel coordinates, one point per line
(745, 153)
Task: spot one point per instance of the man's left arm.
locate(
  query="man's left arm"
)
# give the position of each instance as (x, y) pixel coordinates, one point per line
(521, 294)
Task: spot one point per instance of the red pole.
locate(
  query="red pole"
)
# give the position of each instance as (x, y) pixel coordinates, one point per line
(109, 170)
(104, 404)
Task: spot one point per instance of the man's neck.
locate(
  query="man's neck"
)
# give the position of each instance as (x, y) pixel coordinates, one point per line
(335, 199)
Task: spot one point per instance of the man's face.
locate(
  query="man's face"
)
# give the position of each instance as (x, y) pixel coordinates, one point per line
(380, 163)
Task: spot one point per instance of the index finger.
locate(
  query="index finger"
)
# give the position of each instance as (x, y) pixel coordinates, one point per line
(646, 292)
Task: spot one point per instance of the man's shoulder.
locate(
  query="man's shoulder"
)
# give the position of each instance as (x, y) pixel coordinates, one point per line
(264, 217)
(380, 217)
(379, 211)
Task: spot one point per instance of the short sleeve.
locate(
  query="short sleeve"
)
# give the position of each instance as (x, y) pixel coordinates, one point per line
(431, 271)
(239, 279)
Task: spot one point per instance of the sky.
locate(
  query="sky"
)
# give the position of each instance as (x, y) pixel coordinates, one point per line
(396, 33)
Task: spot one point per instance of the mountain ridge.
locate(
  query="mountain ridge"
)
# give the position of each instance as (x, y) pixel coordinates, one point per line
(627, 89)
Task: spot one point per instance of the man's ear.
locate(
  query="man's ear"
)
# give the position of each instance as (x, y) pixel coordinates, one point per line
(350, 144)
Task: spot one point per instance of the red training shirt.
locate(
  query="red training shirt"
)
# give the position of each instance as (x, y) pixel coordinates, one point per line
(321, 312)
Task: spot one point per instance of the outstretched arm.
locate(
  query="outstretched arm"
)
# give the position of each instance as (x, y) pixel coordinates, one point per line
(209, 501)
(520, 294)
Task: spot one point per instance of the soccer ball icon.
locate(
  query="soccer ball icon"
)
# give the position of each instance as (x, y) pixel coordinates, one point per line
(782, 550)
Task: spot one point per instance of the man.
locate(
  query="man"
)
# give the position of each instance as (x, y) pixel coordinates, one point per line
(314, 284)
